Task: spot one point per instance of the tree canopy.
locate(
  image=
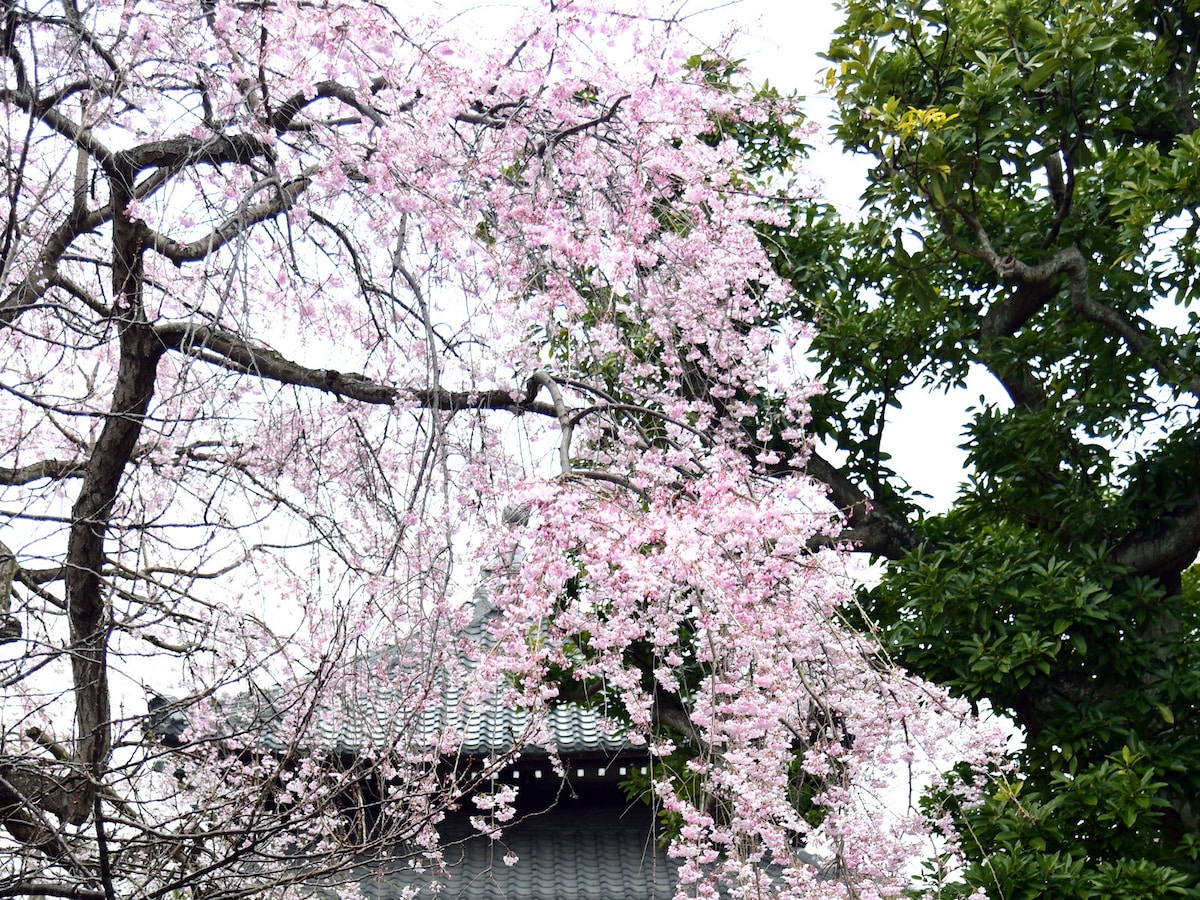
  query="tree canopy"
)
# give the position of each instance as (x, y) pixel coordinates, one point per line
(298, 299)
(1031, 212)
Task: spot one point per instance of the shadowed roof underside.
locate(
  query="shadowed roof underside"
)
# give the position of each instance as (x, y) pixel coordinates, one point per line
(568, 853)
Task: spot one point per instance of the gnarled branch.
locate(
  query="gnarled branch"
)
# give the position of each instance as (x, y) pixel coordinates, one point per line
(869, 526)
(1165, 547)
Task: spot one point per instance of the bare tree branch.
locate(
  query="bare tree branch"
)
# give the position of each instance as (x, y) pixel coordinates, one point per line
(285, 114)
(231, 351)
(50, 889)
(237, 224)
(47, 468)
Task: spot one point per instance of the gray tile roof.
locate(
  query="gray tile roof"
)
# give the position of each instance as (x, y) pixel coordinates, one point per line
(374, 712)
(572, 852)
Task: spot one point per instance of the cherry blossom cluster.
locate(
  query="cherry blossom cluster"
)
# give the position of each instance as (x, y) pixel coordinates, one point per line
(702, 622)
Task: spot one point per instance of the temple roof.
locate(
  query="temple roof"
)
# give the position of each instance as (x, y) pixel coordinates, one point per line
(373, 708)
(575, 851)
(577, 838)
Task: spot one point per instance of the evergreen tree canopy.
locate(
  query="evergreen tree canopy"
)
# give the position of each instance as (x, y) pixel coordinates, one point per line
(1032, 212)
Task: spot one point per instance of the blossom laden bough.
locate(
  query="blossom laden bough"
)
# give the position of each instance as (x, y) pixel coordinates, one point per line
(703, 622)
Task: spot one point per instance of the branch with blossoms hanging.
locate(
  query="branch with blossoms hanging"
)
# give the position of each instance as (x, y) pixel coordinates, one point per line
(702, 622)
(296, 299)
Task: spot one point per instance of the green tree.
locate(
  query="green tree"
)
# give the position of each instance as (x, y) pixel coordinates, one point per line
(1032, 211)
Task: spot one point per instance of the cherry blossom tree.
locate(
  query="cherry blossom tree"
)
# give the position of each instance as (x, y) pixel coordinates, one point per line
(298, 299)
